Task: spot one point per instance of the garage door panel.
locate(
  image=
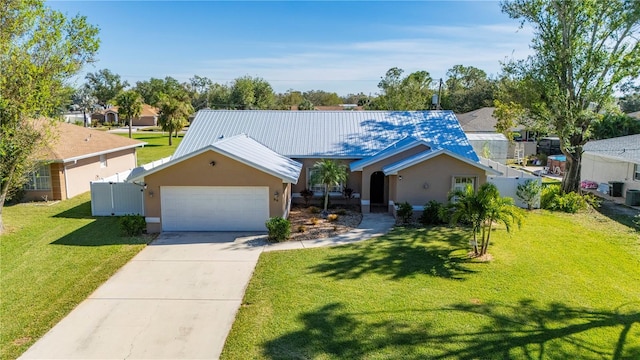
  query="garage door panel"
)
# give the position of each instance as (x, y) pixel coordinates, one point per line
(214, 208)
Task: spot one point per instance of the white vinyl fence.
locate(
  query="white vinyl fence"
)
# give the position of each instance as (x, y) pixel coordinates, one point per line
(116, 198)
(508, 182)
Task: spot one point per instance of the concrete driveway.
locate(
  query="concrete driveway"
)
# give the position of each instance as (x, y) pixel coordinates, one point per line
(176, 299)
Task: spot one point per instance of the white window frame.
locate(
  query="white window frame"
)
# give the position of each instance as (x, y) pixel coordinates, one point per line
(636, 172)
(462, 185)
(103, 161)
(318, 189)
(40, 179)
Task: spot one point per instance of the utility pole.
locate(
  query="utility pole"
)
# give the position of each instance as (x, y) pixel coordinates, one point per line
(439, 94)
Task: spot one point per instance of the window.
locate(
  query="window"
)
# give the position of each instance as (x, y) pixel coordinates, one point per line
(319, 188)
(461, 182)
(636, 172)
(39, 179)
(103, 161)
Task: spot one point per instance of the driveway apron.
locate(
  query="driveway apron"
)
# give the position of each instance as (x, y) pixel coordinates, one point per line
(176, 299)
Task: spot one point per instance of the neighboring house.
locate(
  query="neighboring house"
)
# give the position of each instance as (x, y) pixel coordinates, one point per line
(148, 116)
(613, 160)
(75, 157)
(235, 169)
(482, 121)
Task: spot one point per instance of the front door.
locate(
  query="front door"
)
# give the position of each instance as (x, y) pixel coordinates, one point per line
(376, 188)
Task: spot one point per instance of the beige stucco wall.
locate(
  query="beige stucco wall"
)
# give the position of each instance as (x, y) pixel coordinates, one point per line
(602, 170)
(74, 178)
(432, 180)
(367, 171)
(79, 174)
(197, 171)
(145, 121)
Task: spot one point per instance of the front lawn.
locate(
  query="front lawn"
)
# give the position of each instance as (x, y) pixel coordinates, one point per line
(52, 257)
(157, 145)
(563, 287)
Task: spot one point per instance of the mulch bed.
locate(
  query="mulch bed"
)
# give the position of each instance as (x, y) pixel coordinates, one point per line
(307, 223)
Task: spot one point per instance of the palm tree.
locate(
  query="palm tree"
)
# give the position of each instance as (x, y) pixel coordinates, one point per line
(174, 112)
(328, 173)
(482, 209)
(501, 209)
(129, 106)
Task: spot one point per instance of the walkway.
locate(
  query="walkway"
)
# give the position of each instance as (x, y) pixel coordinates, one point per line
(177, 299)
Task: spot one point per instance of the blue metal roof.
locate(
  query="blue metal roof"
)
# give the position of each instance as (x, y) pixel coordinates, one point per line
(328, 134)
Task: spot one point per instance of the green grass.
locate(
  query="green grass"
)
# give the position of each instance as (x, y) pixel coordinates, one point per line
(157, 145)
(53, 257)
(562, 287)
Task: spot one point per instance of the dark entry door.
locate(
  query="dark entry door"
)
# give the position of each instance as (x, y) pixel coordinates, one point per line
(377, 188)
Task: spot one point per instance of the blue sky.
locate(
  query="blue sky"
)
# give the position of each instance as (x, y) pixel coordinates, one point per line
(338, 46)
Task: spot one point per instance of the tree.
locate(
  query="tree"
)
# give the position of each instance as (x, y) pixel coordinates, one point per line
(199, 87)
(104, 85)
(322, 98)
(409, 93)
(529, 192)
(328, 172)
(84, 101)
(306, 105)
(615, 125)
(482, 209)
(40, 49)
(583, 49)
(129, 106)
(153, 89)
(174, 112)
(249, 93)
(467, 88)
(630, 102)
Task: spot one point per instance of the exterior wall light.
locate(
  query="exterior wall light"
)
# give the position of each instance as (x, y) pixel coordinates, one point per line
(212, 163)
(400, 177)
(276, 196)
(150, 193)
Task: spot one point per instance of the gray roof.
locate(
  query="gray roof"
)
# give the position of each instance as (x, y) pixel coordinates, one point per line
(480, 120)
(625, 148)
(242, 149)
(330, 134)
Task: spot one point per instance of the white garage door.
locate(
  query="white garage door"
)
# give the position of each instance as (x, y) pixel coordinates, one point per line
(214, 208)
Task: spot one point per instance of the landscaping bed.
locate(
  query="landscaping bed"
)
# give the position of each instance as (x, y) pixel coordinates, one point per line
(307, 223)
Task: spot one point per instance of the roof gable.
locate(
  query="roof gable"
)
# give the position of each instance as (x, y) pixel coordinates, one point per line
(72, 142)
(242, 149)
(396, 148)
(328, 134)
(392, 169)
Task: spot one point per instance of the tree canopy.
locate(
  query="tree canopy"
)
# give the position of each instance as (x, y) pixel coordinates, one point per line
(129, 106)
(411, 92)
(40, 49)
(104, 85)
(583, 50)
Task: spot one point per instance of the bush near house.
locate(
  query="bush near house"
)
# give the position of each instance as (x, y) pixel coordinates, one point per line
(405, 213)
(279, 229)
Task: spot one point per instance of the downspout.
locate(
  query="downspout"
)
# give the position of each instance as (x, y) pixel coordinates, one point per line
(66, 183)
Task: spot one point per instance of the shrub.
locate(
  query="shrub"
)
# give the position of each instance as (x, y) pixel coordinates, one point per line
(572, 202)
(332, 217)
(547, 196)
(314, 221)
(636, 221)
(302, 228)
(279, 228)
(307, 195)
(132, 225)
(405, 212)
(529, 192)
(431, 213)
(314, 210)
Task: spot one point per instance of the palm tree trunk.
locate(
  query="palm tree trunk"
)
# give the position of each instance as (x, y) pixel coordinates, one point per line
(326, 196)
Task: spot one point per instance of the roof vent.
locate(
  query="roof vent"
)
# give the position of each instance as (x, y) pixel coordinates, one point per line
(221, 137)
